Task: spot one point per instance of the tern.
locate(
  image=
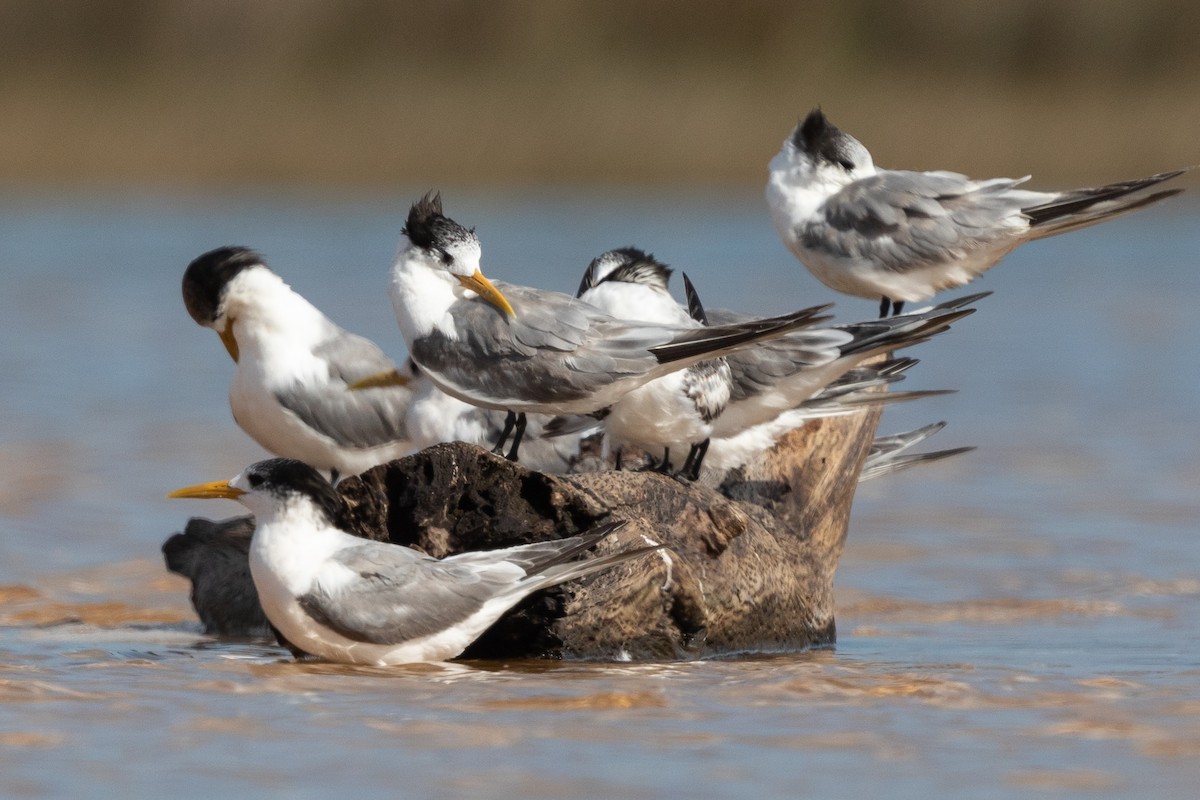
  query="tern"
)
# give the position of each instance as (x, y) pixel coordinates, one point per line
(293, 367)
(520, 349)
(677, 410)
(902, 236)
(774, 377)
(347, 599)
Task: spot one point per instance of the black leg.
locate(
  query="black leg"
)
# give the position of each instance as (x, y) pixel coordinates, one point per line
(617, 460)
(883, 307)
(897, 307)
(691, 467)
(518, 435)
(665, 466)
(333, 476)
(510, 419)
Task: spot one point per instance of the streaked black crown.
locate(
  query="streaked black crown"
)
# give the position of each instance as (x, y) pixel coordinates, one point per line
(820, 138)
(428, 228)
(282, 475)
(636, 266)
(206, 277)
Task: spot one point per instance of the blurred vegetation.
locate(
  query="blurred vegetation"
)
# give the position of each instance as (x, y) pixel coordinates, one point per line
(223, 92)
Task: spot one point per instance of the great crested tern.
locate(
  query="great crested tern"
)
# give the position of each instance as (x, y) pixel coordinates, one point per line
(898, 235)
(775, 376)
(520, 349)
(677, 410)
(293, 367)
(347, 599)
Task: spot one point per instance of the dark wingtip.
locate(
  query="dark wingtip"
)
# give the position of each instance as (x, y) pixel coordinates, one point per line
(695, 307)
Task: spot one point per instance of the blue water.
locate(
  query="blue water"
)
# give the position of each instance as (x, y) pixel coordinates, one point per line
(1023, 620)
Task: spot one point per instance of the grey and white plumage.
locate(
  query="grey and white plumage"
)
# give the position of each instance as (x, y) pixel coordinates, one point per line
(521, 349)
(342, 598)
(853, 392)
(779, 375)
(674, 413)
(888, 454)
(434, 416)
(293, 368)
(776, 378)
(899, 235)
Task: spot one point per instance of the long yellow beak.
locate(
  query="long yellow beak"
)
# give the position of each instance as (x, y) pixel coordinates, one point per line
(229, 342)
(217, 490)
(380, 380)
(484, 288)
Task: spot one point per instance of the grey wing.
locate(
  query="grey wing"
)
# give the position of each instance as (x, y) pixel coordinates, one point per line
(902, 220)
(561, 345)
(394, 594)
(361, 418)
(756, 369)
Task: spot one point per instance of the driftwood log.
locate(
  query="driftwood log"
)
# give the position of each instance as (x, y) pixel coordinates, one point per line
(747, 567)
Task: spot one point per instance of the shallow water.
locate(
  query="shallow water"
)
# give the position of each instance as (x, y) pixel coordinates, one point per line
(1022, 620)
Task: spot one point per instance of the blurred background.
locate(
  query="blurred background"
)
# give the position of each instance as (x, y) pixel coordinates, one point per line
(168, 93)
(1026, 616)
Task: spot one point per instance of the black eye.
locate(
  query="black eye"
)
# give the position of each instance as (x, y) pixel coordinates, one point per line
(255, 480)
(846, 165)
(447, 259)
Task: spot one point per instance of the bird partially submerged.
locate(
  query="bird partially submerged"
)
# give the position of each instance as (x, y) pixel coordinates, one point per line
(347, 599)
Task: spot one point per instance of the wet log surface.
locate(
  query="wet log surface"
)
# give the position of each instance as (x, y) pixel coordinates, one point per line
(746, 568)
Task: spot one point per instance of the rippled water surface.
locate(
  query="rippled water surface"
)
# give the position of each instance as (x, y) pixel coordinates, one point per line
(1020, 621)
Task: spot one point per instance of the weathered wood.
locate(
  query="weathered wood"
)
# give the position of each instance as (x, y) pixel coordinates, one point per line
(748, 567)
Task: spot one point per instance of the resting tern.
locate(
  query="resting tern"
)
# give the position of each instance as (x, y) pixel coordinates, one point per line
(777, 375)
(293, 366)
(347, 599)
(677, 410)
(521, 349)
(901, 235)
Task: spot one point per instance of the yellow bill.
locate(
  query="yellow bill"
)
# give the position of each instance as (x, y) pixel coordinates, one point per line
(216, 490)
(484, 288)
(380, 380)
(229, 342)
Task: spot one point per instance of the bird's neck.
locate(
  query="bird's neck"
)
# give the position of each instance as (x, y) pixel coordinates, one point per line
(267, 315)
(291, 541)
(421, 297)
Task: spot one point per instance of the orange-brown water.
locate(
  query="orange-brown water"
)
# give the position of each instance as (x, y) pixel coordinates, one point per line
(1020, 621)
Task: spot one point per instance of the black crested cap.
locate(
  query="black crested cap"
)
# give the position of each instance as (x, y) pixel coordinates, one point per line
(428, 228)
(280, 474)
(820, 138)
(206, 277)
